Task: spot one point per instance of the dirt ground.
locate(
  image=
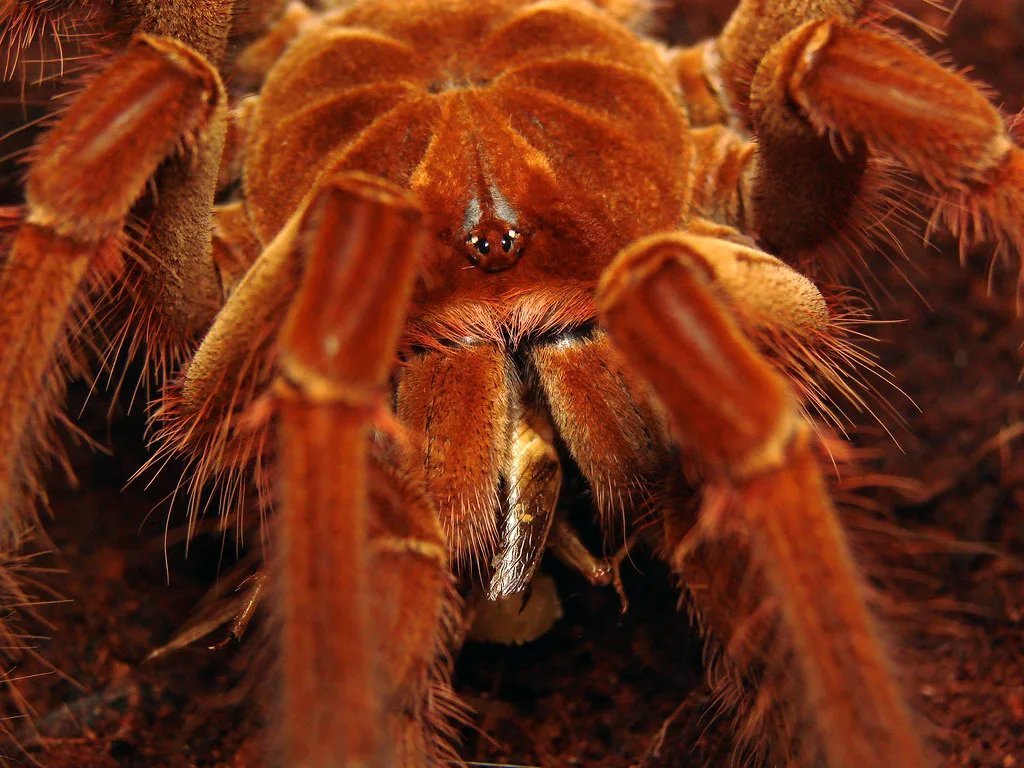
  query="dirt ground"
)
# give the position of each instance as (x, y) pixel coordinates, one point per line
(602, 689)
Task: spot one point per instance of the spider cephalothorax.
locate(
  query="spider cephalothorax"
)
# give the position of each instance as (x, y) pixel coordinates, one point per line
(461, 243)
(486, 113)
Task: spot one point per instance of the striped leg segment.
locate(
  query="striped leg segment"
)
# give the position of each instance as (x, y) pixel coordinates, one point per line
(864, 87)
(677, 324)
(355, 644)
(129, 120)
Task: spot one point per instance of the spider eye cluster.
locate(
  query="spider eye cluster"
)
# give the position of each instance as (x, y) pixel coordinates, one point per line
(494, 246)
(483, 246)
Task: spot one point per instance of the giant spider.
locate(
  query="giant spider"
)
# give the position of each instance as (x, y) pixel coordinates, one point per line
(464, 243)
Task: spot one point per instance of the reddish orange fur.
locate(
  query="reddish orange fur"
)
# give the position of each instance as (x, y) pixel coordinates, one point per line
(609, 422)
(347, 636)
(737, 414)
(463, 403)
(557, 124)
(756, 27)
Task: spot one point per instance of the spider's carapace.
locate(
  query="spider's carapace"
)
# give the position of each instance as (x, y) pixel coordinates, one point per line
(539, 139)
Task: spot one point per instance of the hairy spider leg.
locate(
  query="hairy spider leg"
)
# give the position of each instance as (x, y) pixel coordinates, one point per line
(178, 292)
(346, 647)
(833, 106)
(235, 246)
(672, 317)
(258, 58)
(88, 171)
(792, 189)
(754, 28)
(859, 86)
(360, 570)
(128, 121)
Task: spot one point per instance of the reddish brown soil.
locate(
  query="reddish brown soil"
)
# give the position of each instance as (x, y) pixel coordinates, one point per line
(604, 689)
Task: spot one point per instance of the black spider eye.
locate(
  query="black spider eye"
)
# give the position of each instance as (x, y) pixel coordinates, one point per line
(509, 240)
(482, 244)
(492, 245)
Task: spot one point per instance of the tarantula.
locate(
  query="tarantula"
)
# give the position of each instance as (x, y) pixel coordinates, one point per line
(464, 243)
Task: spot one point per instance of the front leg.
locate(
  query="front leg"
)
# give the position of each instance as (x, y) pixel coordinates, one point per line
(831, 94)
(179, 293)
(361, 559)
(87, 173)
(676, 322)
(306, 343)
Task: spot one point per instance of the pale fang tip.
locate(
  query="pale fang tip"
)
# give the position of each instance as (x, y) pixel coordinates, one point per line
(510, 621)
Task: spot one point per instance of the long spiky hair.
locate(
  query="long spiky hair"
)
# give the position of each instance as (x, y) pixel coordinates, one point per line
(21, 626)
(46, 27)
(22, 593)
(835, 370)
(750, 671)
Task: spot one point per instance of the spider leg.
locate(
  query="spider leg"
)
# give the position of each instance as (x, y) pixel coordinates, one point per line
(178, 291)
(565, 544)
(721, 190)
(235, 246)
(362, 577)
(238, 128)
(754, 27)
(832, 105)
(633, 13)
(88, 171)
(257, 58)
(677, 323)
(791, 187)
(820, 208)
(184, 285)
(715, 75)
(218, 415)
(259, 16)
(202, 25)
(860, 87)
